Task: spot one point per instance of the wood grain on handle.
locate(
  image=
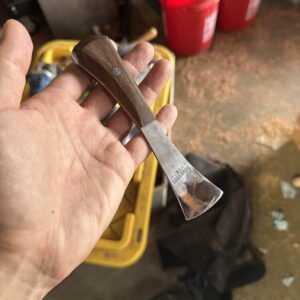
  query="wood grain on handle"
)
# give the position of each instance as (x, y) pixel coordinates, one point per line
(99, 58)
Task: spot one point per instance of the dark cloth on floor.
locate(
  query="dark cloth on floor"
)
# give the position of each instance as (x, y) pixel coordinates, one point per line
(216, 246)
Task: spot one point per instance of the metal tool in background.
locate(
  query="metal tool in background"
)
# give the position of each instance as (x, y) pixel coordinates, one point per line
(194, 192)
(125, 12)
(44, 73)
(125, 46)
(41, 76)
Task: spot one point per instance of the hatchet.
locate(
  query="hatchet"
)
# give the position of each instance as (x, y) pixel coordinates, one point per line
(98, 57)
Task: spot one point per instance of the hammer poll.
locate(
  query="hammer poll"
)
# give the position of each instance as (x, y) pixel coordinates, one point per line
(98, 57)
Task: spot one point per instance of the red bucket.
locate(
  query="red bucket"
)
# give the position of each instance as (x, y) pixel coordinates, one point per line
(189, 24)
(235, 15)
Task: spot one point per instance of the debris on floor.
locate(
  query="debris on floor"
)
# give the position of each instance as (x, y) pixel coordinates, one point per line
(296, 181)
(278, 220)
(287, 190)
(296, 246)
(275, 133)
(288, 280)
(296, 138)
(267, 178)
(263, 251)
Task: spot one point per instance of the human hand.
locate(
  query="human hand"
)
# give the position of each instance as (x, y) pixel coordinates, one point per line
(62, 174)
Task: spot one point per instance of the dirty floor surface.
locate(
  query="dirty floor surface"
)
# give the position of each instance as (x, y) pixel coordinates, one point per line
(239, 102)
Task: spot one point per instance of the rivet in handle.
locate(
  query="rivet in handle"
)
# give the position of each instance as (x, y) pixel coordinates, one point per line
(116, 71)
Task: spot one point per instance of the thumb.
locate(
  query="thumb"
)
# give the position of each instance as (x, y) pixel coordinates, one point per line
(15, 57)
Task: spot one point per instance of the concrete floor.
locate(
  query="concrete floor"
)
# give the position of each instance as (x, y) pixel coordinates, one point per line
(238, 102)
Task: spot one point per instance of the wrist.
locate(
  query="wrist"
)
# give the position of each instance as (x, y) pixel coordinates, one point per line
(19, 279)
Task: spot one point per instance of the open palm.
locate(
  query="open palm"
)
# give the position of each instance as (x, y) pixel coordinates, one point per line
(63, 174)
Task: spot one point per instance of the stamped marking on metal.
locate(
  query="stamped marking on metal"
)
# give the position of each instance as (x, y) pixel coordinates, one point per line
(180, 172)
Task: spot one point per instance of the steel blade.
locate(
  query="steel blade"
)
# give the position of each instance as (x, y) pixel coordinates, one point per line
(195, 193)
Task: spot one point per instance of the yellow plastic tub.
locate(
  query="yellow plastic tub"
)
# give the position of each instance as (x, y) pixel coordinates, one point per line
(125, 240)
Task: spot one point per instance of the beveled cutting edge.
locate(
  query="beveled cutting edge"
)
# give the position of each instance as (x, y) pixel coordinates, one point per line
(194, 192)
(99, 58)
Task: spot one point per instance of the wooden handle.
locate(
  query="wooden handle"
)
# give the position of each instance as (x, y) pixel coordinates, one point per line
(99, 58)
(148, 35)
